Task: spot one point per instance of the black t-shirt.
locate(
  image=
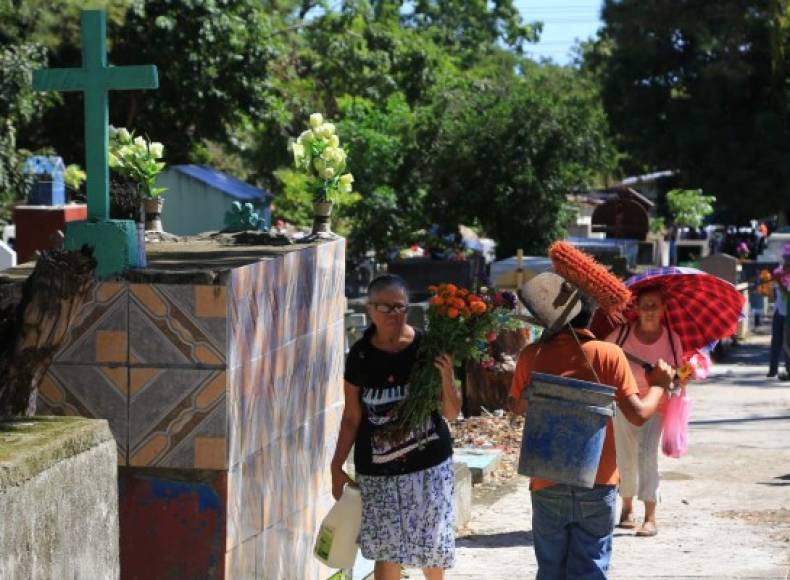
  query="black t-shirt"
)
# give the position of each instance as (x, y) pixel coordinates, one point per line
(382, 378)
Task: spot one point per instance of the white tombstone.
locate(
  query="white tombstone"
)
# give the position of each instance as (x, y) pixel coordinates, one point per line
(9, 233)
(7, 256)
(774, 247)
(724, 266)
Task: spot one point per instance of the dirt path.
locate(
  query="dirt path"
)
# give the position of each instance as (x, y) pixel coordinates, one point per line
(725, 510)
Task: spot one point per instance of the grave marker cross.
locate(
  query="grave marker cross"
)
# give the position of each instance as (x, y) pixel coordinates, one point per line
(95, 79)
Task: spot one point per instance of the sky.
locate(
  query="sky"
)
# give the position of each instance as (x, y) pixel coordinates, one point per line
(563, 22)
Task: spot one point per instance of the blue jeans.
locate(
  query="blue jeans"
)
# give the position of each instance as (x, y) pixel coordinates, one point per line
(777, 340)
(572, 531)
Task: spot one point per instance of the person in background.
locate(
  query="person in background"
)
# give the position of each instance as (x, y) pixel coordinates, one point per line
(779, 322)
(649, 339)
(756, 306)
(406, 485)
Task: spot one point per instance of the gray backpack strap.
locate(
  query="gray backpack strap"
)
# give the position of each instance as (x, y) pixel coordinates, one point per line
(622, 336)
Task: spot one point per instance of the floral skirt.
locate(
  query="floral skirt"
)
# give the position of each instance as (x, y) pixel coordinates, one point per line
(408, 519)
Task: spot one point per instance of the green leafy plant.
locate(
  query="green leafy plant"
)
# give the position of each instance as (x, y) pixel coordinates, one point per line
(317, 153)
(138, 159)
(657, 225)
(689, 207)
(74, 177)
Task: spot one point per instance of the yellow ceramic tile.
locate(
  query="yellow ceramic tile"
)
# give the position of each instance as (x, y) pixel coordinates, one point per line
(211, 301)
(206, 355)
(149, 452)
(139, 378)
(211, 391)
(49, 389)
(107, 290)
(210, 453)
(117, 377)
(111, 346)
(149, 298)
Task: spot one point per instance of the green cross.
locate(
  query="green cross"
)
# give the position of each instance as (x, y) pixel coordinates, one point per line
(95, 79)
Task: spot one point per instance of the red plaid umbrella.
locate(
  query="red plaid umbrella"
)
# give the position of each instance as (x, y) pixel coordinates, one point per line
(700, 308)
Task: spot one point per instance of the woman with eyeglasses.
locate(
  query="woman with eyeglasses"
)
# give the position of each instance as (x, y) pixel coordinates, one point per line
(406, 485)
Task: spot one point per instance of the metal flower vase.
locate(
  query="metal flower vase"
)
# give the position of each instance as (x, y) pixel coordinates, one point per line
(153, 213)
(322, 220)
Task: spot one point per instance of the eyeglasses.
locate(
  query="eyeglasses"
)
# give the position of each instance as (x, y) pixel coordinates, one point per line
(389, 308)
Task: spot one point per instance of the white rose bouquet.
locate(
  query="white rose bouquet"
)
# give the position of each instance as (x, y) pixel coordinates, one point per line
(137, 159)
(318, 154)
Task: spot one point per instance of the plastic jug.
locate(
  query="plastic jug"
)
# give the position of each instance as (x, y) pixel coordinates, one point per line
(336, 544)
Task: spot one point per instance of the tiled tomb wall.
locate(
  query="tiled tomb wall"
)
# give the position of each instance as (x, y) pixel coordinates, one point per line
(224, 401)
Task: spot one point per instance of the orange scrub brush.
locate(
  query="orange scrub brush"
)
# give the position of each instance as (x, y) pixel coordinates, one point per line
(590, 277)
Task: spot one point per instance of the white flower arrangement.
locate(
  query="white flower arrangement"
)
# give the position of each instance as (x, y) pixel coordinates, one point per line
(137, 158)
(318, 154)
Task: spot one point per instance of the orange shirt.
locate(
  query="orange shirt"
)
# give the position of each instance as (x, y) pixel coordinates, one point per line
(561, 356)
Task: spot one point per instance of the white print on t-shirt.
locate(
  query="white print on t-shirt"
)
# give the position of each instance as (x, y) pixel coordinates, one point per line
(379, 403)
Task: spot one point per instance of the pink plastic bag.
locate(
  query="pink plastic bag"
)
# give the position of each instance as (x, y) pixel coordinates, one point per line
(700, 362)
(674, 439)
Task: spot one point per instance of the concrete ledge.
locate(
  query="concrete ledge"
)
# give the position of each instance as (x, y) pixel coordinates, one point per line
(463, 494)
(59, 495)
(481, 462)
(30, 445)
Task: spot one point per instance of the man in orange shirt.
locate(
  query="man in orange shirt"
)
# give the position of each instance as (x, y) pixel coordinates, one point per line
(572, 526)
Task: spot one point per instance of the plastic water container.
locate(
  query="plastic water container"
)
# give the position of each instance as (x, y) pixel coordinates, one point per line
(564, 429)
(336, 543)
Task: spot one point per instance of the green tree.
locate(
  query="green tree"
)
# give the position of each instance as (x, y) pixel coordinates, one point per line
(51, 23)
(469, 26)
(703, 87)
(382, 145)
(507, 153)
(18, 105)
(213, 58)
(689, 207)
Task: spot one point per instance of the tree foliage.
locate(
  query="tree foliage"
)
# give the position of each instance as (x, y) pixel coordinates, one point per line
(703, 87)
(508, 153)
(689, 207)
(18, 105)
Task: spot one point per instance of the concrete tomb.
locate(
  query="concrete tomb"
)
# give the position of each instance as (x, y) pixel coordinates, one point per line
(219, 368)
(58, 499)
(7, 256)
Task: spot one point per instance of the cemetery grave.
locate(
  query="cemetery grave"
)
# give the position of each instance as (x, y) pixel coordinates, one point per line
(219, 369)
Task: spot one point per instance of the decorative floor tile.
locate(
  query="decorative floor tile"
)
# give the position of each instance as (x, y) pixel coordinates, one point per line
(89, 391)
(177, 418)
(98, 332)
(165, 329)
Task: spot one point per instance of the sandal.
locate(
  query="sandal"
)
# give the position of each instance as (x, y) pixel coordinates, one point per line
(627, 523)
(647, 532)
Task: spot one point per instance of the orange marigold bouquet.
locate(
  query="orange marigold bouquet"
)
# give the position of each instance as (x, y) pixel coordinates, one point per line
(461, 323)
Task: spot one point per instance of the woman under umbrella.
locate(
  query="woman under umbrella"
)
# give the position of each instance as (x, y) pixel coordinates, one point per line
(700, 308)
(677, 311)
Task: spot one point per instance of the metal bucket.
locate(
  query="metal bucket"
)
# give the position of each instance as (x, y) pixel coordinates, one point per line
(565, 428)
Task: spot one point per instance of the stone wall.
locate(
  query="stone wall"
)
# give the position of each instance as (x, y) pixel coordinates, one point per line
(58, 499)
